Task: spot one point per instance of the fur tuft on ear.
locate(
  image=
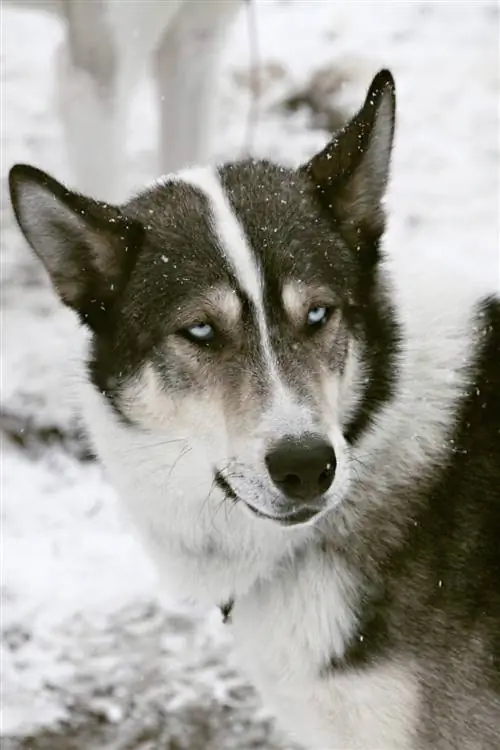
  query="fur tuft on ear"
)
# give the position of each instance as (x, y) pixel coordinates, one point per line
(87, 247)
(352, 170)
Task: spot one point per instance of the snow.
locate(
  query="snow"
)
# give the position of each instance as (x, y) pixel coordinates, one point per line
(88, 652)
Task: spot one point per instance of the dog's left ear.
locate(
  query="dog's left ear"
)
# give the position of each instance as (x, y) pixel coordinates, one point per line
(351, 173)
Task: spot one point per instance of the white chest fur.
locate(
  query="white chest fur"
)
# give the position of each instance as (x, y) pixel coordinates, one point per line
(285, 632)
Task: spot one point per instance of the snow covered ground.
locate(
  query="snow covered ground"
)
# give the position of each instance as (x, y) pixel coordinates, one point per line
(90, 660)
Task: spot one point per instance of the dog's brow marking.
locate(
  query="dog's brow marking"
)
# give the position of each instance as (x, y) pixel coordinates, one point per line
(293, 300)
(228, 303)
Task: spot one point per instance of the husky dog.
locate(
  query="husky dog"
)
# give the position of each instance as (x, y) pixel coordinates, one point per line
(108, 44)
(303, 434)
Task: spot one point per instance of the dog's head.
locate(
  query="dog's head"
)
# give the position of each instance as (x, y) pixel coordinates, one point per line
(241, 335)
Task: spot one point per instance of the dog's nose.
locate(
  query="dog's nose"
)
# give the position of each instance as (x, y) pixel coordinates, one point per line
(303, 468)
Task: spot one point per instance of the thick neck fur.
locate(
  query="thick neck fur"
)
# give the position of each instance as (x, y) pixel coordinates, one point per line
(211, 558)
(412, 432)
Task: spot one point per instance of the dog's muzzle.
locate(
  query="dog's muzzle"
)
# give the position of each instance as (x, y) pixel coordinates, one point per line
(302, 469)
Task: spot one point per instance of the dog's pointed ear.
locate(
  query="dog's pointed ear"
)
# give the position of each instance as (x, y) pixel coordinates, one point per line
(352, 171)
(87, 247)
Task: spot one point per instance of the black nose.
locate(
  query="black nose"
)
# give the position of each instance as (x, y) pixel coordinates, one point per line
(303, 468)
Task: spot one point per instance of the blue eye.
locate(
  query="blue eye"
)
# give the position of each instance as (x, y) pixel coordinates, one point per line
(317, 316)
(200, 332)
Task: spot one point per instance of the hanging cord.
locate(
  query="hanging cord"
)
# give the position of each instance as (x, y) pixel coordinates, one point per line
(252, 119)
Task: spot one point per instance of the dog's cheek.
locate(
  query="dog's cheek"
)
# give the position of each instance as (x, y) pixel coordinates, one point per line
(339, 348)
(352, 382)
(190, 413)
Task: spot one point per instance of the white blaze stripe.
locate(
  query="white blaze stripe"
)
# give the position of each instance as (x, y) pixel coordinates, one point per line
(228, 231)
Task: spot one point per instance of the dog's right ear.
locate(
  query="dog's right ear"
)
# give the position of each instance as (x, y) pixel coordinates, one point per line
(87, 247)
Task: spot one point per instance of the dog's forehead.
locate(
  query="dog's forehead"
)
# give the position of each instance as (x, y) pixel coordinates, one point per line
(292, 237)
(243, 225)
(182, 248)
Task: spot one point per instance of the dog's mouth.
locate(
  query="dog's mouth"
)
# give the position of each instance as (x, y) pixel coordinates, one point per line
(287, 519)
(294, 518)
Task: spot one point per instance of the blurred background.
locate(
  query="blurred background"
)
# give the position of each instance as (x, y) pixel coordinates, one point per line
(90, 659)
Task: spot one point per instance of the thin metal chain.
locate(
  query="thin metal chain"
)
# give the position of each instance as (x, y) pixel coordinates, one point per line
(252, 119)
